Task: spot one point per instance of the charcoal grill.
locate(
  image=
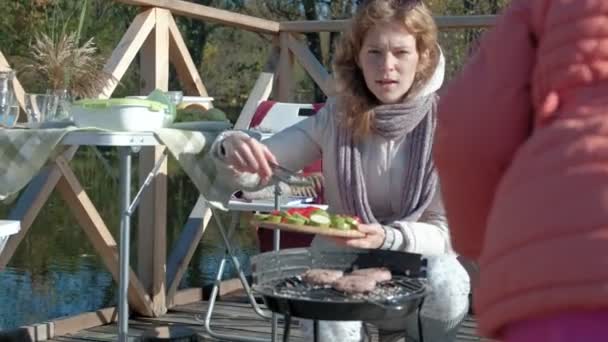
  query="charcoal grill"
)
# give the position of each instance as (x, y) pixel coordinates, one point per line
(277, 279)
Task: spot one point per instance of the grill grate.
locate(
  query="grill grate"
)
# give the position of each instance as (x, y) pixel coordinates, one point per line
(396, 290)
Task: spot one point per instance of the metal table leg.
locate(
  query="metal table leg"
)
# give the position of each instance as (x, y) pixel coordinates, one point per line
(126, 209)
(218, 278)
(123, 283)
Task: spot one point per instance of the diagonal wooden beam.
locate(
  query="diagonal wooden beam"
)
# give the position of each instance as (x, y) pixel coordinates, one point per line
(30, 203)
(260, 92)
(310, 63)
(182, 60)
(127, 49)
(98, 233)
(185, 246)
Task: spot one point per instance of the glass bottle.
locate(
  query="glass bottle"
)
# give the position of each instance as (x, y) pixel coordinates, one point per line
(7, 94)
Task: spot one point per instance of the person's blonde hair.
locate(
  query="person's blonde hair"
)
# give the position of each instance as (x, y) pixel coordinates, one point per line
(355, 100)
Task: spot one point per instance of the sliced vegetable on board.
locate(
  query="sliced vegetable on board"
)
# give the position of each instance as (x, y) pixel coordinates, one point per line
(310, 216)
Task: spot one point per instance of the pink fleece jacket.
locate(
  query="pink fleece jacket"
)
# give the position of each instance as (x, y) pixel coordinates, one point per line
(522, 153)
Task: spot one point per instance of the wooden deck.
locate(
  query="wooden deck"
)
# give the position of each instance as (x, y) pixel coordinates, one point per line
(229, 317)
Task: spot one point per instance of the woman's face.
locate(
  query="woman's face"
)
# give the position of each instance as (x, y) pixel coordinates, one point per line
(388, 60)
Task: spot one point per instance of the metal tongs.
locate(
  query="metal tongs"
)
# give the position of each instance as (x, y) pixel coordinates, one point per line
(287, 176)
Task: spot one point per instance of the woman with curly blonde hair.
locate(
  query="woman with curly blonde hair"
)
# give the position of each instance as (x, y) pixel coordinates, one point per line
(374, 138)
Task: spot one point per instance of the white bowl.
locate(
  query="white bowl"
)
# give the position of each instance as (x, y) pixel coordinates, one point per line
(121, 114)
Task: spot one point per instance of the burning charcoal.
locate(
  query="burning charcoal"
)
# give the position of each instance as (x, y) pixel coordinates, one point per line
(379, 274)
(355, 284)
(319, 276)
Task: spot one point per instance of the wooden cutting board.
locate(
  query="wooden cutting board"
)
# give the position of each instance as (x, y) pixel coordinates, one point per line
(309, 229)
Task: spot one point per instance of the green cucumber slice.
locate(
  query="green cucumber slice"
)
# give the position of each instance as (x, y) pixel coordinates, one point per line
(319, 220)
(337, 220)
(295, 220)
(342, 226)
(261, 217)
(274, 219)
(351, 220)
(320, 212)
(300, 216)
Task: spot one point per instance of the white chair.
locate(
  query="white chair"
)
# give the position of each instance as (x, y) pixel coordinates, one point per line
(8, 228)
(271, 117)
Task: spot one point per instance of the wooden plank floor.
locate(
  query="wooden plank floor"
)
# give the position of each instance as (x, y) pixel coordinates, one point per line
(229, 317)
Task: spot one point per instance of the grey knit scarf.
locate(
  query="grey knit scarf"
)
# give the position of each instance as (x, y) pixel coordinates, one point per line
(414, 119)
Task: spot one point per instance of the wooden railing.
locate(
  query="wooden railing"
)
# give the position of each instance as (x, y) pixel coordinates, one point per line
(289, 46)
(155, 34)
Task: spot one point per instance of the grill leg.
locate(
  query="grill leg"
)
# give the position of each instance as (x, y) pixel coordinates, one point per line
(315, 330)
(420, 332)
(286, 328)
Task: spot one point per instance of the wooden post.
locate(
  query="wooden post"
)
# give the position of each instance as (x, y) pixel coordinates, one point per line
(285, 78)
(152, 211)
(154, 55)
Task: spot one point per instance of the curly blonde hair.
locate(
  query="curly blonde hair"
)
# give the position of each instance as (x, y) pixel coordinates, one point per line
(355, 100)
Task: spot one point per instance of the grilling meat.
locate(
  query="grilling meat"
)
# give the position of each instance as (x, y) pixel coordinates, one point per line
(320, 276)
(379, 274)
(355, 284)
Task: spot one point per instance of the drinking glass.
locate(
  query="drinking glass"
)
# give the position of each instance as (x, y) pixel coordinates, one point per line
(64, 105)
(40, 107)
(176, 96)
(10, 117)
(7, 94)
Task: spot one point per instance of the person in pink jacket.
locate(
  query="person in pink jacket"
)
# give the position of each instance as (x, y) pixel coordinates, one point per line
(522, 153)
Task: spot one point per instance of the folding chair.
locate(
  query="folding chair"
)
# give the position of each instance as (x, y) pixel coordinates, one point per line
(270, 117)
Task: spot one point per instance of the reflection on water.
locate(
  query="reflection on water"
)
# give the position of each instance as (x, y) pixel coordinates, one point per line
(55, 272)
(60, 290)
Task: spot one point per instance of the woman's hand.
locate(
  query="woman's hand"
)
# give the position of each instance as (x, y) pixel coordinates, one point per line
(374, 237)
(246, 154)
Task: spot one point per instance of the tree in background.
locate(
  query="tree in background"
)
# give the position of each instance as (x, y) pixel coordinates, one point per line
(229, 59)
(320, 44)
(196, 33)
(56, 43)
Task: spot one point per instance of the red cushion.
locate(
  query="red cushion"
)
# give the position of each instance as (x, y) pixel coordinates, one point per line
(260, 113)
(288, 239)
